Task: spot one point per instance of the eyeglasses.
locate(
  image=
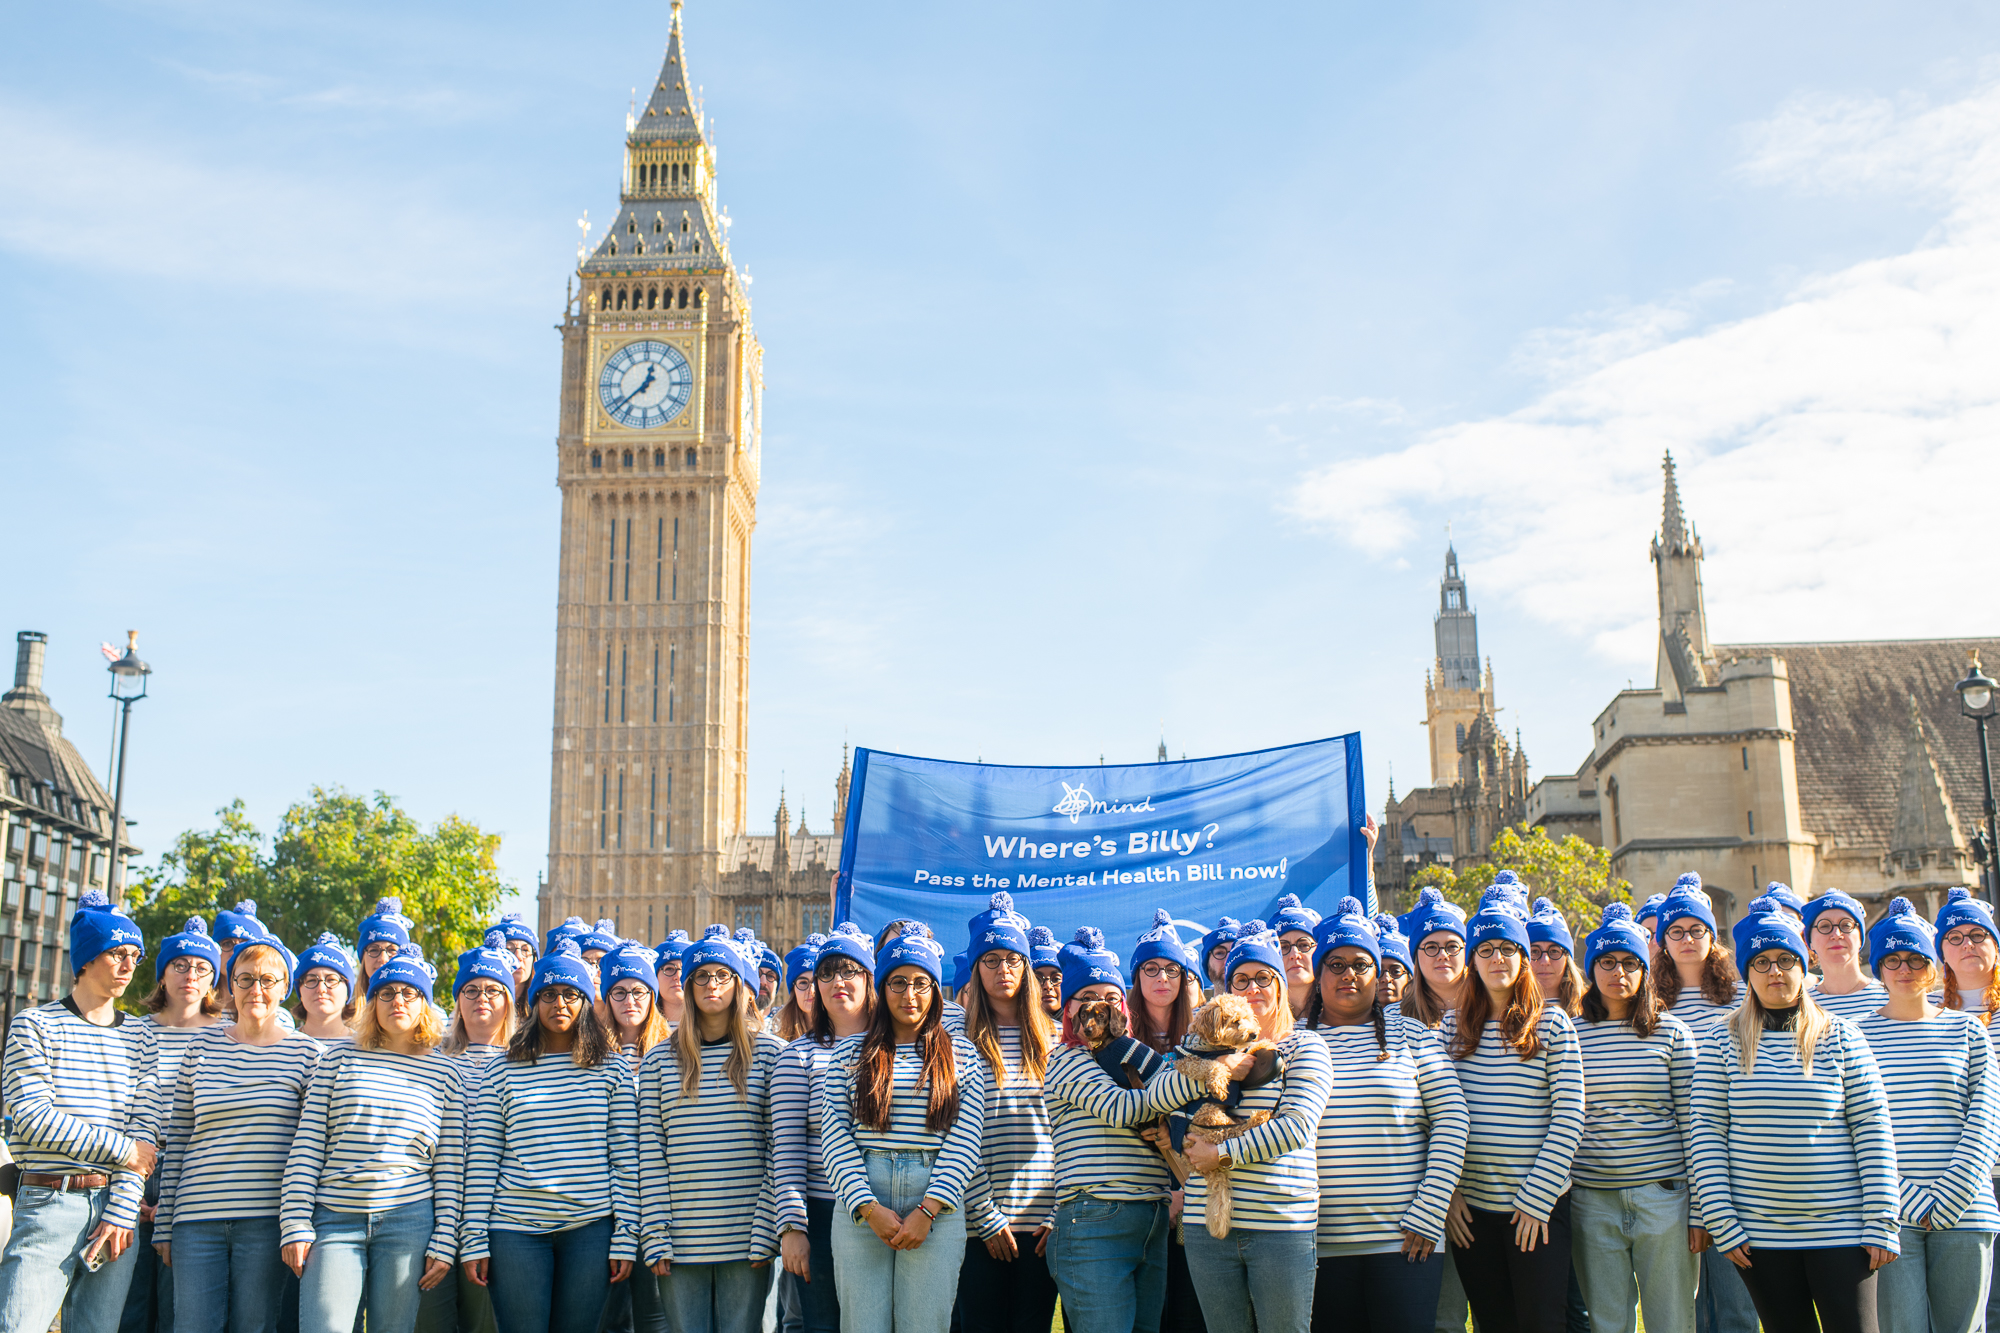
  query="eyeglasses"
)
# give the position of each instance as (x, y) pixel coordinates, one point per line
(1775, 962)
(1899, 962)
(1620, 963)
(630, 990)
(1257, 981)
(560, 997)
(1341, 967)
(1003, 960)
(919, 986)
(483, 994)
(844, 972)
(522, 950)
(1446, 949)
(1394, 971)
(711, 978)
(1547, 953)
(399, 996)
(382, 952)
(1296, 946)
(1835, 924)
(191, 967)
(1685, 933)
(1160, 972)
(325, 981)
(1969, 937)
(246, 981)
(1492, 949)
(127, 956)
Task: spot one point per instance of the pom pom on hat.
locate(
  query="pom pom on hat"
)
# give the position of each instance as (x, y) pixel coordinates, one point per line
(1256, 943)
(1161, 941)
(914, 947)
(1547, 926)
(1042, 951)
(1086, 962)
(386, 925)
(1348, 927)
(1431, 915)
(998, 927)
(97, 927)
(191, 941)
(1962, 908)
(490, 960)
(1224, 934)
(1617, 932)
(1395, 944)
(239, 923)
(1293, 915)
(1900, 930)
(562, 965)
(410, 968)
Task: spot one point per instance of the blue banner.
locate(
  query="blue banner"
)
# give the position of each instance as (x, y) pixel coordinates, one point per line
(1204, 838)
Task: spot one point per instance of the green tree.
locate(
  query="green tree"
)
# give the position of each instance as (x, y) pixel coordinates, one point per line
(1570, 873)
(334, 856)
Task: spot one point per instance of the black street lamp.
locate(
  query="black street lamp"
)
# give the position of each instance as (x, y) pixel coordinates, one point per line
(128, 686)
(1976, 699)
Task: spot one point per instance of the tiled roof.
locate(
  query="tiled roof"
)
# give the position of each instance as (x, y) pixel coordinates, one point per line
(1851, 716)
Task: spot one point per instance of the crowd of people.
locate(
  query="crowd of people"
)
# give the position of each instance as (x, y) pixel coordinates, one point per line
(1294, 1122)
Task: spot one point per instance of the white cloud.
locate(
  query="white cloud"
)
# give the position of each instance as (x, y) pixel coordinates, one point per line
(1840, 452)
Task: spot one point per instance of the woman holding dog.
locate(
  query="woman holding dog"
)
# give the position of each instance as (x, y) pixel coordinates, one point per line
(1005, 1283)
(900, 1130)
(1391, 1142)
(1248, 1275)
(1163, 978)
(1522, 1074)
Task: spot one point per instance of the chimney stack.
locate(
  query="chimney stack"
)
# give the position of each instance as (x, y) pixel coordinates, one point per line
(26, 696)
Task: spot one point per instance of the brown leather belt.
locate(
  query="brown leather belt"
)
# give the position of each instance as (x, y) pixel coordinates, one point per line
(64, 1184)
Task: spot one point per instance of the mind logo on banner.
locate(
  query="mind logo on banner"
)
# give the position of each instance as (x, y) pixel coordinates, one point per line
(1077, 801)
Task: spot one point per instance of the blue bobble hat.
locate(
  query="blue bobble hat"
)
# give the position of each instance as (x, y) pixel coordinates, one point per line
(490, 960)
(801, 961)
(1900, 930)
(191, 942)
(289, 959)
(572, 928)
(961, 971)
(409, 967)
(715, 946)
(1962, 909)
(1255, 943)
(998, 927)
(1761, 934)
(670, 949)
(1546, 926)
(560, 965)
(1293, 915)
(1833, 900)
(915, 947)
(759, 953)
(1617, 932)
(330, 952)
(1651, 910)
(239, 924)
(513, 928)
(1225, 932)
(603, 937)
(1433, 913)
(1349, 926)
(1085, 961)
(1501, 918)
(847, 941)
(99, 927)
(386, 925)
(1395, 944)
(1507, 884)
(1163, 942)
(1042, 951)
(1783, 895)
(1685, 902)
(630, 961)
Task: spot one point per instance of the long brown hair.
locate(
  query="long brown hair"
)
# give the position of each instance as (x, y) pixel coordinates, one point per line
(1519, 1025)
(793, 1022)
(1954, 999)
(1643, 1017)
(984, 1033)
(1718, 975)
(742, 1043)
(654, 1030)
(590, 1047)
(874, 1072)
(822, 1022)
(1570, 990)
(211, 1003)
(1179, 1015)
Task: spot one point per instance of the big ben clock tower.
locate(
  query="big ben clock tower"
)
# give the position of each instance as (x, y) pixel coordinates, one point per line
(657, 460)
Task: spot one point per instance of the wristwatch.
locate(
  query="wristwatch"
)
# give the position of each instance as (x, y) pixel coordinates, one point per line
(1223, 1159)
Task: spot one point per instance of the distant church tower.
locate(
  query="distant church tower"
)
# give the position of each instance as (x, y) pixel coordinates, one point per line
(1455, 693)
(657, 460)
(1687, 658)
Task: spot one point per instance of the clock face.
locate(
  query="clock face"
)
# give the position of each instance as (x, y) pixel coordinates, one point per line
(645, 384)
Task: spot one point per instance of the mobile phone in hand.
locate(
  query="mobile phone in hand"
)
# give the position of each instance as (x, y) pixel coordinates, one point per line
(93, 1254)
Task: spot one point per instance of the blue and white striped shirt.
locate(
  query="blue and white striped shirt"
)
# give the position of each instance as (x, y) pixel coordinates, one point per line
(1527, 1116)
(1855, 1005)
(798, 1087)
(1096, 1126)
(1944, 1105)
(235, 1109)
(1701, 1013)
(1275, 1178)
(1015, 1186)
(1789, 1162)
(552, 1145)
(842, 1140)
(160, 1051)
(1391, 1141)
(1637, 1121)
(698, 1160)
(71, 1087)
(379, 1130)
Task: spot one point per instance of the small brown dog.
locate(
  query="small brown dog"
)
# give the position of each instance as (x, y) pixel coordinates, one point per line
(1222, 1026)
(1098, 1022)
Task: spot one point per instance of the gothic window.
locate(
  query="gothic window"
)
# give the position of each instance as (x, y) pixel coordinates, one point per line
(652, 812)
(697, 298)
(670, 704)
(628, 551)
(613, 244)
(621, 298)
(621, 809)
(638, 248)
(659, 225)
(611, 579)
(670, 245)
(656, 682)
(652, 297)
(1451, 600)
(659, 557)
(686, 222)
(596, 458)
(624, 663)
(690, 458)
(605, 304)
(667, 824)
(1461, 735)
(603, 806)
(697, 245)
(684, 298)
(607, 684)
(628, 458)
(659, 458)
(631, 226)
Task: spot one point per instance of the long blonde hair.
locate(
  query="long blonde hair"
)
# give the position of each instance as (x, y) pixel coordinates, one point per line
(984, 1033)
(742, 1041)
(1747, 1023)
(456, 1039)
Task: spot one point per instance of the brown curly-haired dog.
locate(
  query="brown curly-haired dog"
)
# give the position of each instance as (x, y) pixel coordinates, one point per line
(1223, 1026)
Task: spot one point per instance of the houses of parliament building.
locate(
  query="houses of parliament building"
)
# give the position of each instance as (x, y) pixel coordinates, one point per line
(658, 458)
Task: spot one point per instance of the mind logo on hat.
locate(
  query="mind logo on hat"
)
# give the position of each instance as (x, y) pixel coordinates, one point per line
(1764, 940)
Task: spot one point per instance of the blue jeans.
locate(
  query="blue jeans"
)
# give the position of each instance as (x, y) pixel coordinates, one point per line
(227, 1275)
(1631, 1246)
(716, 1298)
(1937, 1284)
(362, 1263)
(149, 1301)
(1722, 1303)
(41, 1274)
(1109, 1261)
(907, 1291)
(549, 1281)
(1254, 1281)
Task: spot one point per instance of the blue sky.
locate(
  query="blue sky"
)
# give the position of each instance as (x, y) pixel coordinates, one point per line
(1124, 365)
